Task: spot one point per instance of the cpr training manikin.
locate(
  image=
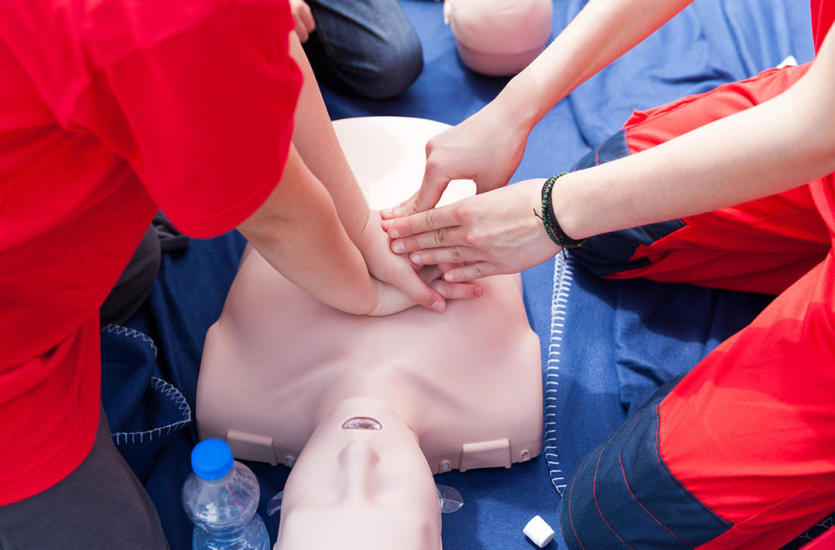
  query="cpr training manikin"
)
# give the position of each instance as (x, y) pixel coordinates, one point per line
(365, 410)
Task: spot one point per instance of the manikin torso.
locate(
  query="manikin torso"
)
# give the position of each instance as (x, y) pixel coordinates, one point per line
(367, 409)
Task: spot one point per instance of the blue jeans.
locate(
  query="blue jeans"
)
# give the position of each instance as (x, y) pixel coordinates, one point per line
(366, 46)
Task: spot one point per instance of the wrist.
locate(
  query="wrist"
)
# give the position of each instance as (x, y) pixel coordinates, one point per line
(361, 301)
(356, 226)
(541, 237)
(367, 241)
(550, 220)
(564, 209)
(518, 105)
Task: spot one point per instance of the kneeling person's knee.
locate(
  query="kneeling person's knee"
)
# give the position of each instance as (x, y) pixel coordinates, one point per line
(394, 67)
(624, 495)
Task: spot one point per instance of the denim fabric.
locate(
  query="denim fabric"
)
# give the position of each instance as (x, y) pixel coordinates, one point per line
(368, 46)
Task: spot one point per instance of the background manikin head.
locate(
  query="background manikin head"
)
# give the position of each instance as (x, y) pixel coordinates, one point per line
(499, 37)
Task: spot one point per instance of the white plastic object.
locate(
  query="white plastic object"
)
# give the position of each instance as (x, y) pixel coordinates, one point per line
(539, 531)
(221, 498)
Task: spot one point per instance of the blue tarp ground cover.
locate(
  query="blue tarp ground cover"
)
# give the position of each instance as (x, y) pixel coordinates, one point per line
(606, 345)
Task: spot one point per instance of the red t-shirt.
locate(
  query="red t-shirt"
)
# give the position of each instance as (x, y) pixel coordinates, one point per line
(111, 110)
(823, 193)
(823, 15)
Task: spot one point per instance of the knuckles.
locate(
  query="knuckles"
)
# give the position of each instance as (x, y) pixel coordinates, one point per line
(476, 238)
(465, 214)
(476, 271)
(455, 252)
(439, 237)
(431, 219)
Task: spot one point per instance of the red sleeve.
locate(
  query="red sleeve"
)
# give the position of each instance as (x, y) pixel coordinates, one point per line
(204, 115)
(823, 15)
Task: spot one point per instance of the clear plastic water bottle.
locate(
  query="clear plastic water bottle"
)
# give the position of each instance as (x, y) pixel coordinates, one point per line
(221, 498)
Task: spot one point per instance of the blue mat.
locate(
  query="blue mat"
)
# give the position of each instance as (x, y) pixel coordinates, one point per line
(606, 345)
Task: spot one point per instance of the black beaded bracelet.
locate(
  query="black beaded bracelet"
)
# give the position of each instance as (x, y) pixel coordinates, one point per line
(549, 219)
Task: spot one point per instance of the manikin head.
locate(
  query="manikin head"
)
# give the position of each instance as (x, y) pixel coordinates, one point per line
(499, 37)
(361, 482)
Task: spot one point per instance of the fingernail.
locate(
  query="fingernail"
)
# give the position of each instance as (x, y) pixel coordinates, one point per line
(416, 258)
(398, 246)
(478, 291)
(437, 305)
(393, 232)
(448, 277)
(386, 223)
(386, 212)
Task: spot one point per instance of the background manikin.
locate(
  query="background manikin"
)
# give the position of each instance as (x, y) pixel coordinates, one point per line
(377, 404)
(499, 37)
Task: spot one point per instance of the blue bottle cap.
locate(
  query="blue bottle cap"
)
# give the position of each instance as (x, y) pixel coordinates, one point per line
(211, 459)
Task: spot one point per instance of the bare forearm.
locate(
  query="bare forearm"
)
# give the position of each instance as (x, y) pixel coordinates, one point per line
(316, 142)
(297, 231)
(602, 32)
(776, 146)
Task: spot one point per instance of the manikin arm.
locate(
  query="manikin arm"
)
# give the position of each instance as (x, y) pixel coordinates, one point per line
(767, 149)
(488, 146)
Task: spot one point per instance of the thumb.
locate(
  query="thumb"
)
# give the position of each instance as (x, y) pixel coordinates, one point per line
(431, 188)
(421, 293)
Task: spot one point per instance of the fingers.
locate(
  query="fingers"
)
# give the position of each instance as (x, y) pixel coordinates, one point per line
(471, 272)
(450, 291)
(446, 236)
(447, 255)
(414, 287)
(421, 222)
(301, 31)
(457, 291)
(390, 300)
(306, 15)
(305, 24)
(429, 273)
(413, 265)
(449, 267)
(432, 187)
(397, 211)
